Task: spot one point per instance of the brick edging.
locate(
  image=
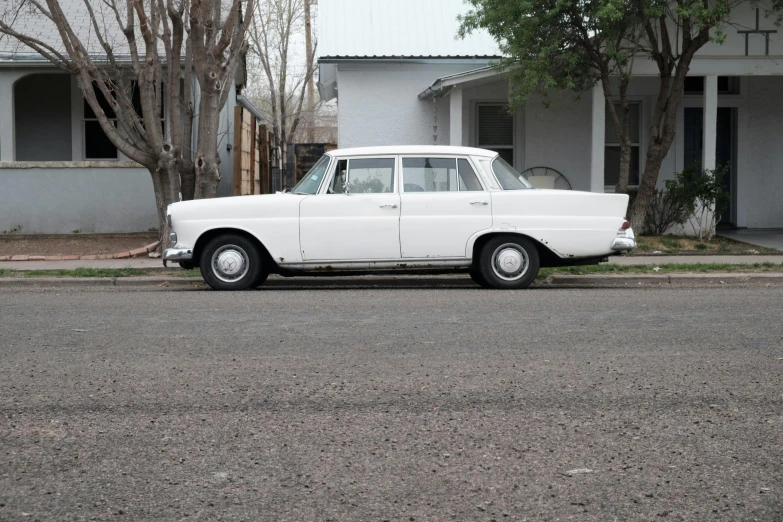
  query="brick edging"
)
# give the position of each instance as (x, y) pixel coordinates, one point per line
(119, 255)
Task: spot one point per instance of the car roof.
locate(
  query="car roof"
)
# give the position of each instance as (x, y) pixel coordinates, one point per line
(412, 149)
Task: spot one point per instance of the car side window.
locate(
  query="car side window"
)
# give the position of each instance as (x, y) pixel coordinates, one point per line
(468, 181)
(337, 186)
(429, 174)
(370, 176)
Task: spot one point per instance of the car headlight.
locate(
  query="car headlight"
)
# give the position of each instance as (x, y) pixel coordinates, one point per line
(173, 238)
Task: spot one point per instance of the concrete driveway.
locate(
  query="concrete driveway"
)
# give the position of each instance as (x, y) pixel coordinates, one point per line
(765, 237)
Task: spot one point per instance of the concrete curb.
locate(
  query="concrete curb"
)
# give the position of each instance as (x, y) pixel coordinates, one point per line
(665, 279)
(557, 281)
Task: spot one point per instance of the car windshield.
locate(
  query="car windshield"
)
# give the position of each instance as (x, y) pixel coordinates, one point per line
(312, 180)
(507, 176)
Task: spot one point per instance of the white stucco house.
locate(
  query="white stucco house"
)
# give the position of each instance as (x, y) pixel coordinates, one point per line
(400, 77)
(58, 171)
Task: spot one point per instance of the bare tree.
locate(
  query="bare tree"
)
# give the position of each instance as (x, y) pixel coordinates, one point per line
(308, 26)
(139, 59)
(276, 25)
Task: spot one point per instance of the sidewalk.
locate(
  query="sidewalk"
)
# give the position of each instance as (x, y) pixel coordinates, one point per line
(148, 263)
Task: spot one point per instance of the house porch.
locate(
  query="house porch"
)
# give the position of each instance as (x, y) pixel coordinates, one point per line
(59, 172)
(733, 122)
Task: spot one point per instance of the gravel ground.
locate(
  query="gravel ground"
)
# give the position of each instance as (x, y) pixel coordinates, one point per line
(73, 244)
(392, 404)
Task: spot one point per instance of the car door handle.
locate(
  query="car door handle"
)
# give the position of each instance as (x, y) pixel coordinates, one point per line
(388, 206)
(479, 203)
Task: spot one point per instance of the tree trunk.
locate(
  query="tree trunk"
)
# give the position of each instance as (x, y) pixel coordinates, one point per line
(625, 163)
(188, 181)
(310, 80)
(207, 160)
(166, 178)
(655, 155)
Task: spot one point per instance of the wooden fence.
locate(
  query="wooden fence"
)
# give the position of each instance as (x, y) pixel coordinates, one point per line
(259, 167)
(257, 156)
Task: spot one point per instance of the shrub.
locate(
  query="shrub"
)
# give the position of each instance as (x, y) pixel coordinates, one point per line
(705, 197)
(668, 207)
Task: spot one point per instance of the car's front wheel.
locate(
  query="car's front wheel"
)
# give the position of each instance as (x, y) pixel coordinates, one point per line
(509, 262)
(231, 262)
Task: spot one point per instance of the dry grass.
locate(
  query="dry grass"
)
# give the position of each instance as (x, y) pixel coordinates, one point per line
(688, 245)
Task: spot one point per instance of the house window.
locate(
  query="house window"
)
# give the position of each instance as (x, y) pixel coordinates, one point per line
(612, 144)
(96, 144)
(496, 130)
(726, 85)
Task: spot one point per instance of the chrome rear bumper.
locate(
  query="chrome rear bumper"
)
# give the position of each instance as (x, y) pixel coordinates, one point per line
(178, 254)
(623, 243)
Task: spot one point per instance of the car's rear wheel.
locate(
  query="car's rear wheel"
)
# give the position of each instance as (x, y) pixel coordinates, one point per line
(231, 262)
(509, 262)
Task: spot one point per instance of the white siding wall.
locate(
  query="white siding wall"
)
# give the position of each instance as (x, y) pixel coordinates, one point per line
(559, 136)
(379, 104)
(760, 177)
(53, 200)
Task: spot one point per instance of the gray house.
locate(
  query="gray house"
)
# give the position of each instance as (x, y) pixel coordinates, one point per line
(58, 171)
(400, 77)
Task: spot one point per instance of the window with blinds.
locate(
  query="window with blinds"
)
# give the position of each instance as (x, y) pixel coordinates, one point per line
(612, 144)
(496, 129)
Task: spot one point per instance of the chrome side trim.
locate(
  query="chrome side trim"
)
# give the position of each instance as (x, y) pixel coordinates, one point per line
(365, 264)
(178, 254)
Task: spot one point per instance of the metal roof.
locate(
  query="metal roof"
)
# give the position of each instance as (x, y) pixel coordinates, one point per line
(24, 18)
(29, 21)
(397, 28)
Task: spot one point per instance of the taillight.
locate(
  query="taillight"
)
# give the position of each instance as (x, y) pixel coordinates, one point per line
(626, 225)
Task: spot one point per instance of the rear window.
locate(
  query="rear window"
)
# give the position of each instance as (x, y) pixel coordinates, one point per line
(507, 176)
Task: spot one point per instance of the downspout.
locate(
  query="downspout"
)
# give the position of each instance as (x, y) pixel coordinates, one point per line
(433, 90)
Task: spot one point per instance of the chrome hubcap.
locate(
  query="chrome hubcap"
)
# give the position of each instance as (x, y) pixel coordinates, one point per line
(510, 262)
(230, 263)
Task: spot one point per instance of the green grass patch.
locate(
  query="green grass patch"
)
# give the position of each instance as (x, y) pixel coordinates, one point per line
(671, 244)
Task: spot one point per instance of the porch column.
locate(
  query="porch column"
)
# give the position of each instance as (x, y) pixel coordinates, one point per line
(710, 122)
(455, 117)
(7, 117)
(598, 140)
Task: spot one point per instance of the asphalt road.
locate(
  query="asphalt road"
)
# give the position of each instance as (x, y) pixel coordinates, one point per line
(392, 404)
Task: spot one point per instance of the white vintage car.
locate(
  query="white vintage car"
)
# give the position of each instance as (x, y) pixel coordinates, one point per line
(399, 208)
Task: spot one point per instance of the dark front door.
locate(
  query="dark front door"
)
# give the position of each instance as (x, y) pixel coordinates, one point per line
(724, 153)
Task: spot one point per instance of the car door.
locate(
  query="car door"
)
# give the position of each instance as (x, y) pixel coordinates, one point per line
(357, 214)
(443, 205)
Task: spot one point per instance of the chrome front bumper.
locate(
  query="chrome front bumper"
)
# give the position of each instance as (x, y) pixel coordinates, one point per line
(178, 254)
